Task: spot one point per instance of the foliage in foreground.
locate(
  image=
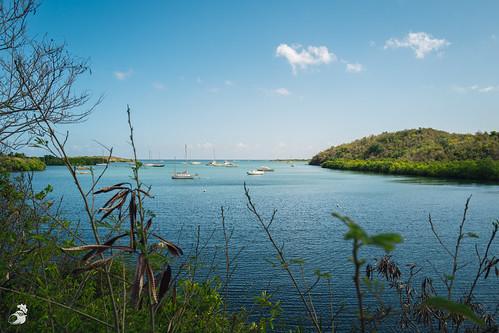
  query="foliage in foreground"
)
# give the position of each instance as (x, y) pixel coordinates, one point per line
(65, 297)
(420, 306)
(486, 169)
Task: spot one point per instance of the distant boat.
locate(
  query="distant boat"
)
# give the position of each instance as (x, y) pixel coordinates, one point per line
(230, 164)
(83, 172)
(101, 164)
(292, 165)
(265, 169)
(215, 164)
(195, 163)
(154, 165)
(255, 173)
(183, 174)
(82, 167)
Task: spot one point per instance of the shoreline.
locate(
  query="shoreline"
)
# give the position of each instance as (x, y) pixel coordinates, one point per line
(483, 171)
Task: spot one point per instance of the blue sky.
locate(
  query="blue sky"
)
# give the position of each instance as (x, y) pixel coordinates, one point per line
(277, 79)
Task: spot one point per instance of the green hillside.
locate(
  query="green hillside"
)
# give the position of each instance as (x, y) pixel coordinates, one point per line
(424, 144)
(423, 152)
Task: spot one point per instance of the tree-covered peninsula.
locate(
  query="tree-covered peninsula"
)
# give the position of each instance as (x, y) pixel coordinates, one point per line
(18, 162)
(419, 152)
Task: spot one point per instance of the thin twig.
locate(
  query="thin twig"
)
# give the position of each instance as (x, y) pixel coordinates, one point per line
(280, 254)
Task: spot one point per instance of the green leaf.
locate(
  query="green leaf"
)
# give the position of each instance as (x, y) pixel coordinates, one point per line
(354, 230)
(386, 241)
(297, 261)
(454, 308)
(323, 275)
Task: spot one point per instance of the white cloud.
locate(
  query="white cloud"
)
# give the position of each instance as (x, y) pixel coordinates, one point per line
(476, 88)
(489, 89)
(241, 145)
(300, 57)
(205, 146)
(354, 68)
(282, 92)
(229, 83)
(120, 75)
(420, 42)
(158, 86)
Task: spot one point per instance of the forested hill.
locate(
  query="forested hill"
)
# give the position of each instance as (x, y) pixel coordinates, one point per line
(416, 145)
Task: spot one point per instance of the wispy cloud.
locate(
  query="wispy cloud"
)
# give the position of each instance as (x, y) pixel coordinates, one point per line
(121, 75)
(354, 68)
(475, 88)
(229, 83)
(158, 86)
(241, 145)
(204, 146)
(282, 92)
(198, 80)
(300, 57)
(421, 43)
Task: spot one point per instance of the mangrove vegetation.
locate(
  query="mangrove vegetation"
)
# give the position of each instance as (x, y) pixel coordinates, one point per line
(419, 152)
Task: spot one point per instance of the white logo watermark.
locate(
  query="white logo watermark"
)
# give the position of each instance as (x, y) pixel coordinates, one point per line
(19, 317)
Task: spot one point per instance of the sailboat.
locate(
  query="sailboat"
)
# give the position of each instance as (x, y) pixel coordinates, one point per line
(265, 169)
(230, 164)
(182, 174)
(214, 162)
(154, 165)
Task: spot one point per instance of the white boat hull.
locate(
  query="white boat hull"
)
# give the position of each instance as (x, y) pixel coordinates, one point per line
(182, 175)
(255, 173)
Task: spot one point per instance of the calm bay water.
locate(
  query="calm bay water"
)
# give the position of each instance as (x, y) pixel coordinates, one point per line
(305, 196)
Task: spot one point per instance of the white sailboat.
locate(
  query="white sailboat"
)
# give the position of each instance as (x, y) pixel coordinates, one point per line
(153, 165)
(182, 174)
(265, 169)
(214, 163)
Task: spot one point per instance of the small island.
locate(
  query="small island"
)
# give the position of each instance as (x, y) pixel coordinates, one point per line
(419, 152)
